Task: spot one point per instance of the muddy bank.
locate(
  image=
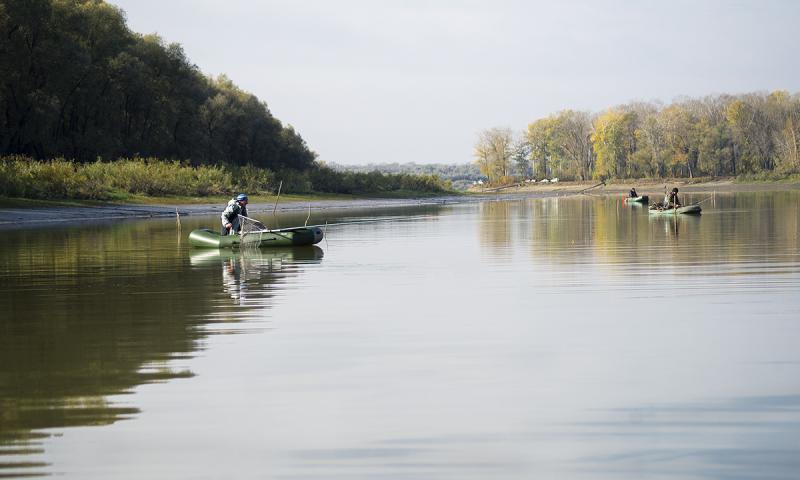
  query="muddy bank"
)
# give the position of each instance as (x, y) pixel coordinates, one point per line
(56, 216)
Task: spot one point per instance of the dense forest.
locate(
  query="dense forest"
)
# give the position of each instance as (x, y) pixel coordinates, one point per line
(77, 83)
(754, 135)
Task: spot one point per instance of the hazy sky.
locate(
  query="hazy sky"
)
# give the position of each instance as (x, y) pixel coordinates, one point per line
(391, 81)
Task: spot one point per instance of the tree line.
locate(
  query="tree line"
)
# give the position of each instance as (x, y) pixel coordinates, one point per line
(461, 176)
(24, 177)
(76, 82)
(755, 134)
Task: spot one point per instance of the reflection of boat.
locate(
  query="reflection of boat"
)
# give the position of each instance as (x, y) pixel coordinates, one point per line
(688, 209)
(287, 237)
(639, 199)
(213, 257)
(244, 270)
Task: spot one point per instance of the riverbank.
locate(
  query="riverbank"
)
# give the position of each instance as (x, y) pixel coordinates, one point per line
(17, 213)
(643, 186)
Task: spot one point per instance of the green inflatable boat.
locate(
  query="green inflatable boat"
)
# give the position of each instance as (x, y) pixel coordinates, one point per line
(688, 209)
(286, 237)
(640, 199)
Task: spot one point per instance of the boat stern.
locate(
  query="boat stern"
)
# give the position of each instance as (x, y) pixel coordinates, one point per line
(205, 238)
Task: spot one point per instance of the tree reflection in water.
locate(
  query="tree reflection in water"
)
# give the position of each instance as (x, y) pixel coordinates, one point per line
(96, 312)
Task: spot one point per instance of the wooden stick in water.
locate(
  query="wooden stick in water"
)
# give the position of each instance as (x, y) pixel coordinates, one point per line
(593, 186)
(280, 185)
(275, 208)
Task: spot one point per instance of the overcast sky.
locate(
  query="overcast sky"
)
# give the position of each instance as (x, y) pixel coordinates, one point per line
(415, 81)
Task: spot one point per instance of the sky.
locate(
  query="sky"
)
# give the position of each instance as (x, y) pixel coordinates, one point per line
(416, 81)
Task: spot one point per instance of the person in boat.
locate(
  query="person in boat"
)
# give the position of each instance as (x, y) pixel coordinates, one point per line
(672, 200)
(230, 216)
(633, 193)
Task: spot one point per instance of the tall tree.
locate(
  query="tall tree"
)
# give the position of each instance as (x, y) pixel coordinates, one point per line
(539, 136)
(493, 153)
(572, 139)
(613, 141)
(678, 122)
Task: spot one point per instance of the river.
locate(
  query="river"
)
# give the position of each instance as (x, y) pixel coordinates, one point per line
(568, 338)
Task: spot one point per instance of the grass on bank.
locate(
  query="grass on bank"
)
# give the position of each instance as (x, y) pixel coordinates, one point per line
(20, 202)
(152, 181)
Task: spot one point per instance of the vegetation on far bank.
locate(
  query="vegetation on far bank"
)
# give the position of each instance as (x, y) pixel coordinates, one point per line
(462, 176)
(754, 137)
(126, 178)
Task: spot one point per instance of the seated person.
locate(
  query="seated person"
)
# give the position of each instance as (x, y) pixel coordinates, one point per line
(672, 200)
(633, 193)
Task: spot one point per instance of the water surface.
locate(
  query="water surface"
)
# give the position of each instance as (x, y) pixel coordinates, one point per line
(541, 338)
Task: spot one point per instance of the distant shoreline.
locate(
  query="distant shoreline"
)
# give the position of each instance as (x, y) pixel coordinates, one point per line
(59, 215)
(644, 186)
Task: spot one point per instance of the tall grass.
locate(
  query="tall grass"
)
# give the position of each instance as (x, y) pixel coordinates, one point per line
(24, 177)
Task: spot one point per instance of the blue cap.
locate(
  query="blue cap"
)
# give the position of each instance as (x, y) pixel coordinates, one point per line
(241, 197)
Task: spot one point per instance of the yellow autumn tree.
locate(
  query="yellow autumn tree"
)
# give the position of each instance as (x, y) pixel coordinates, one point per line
(613, 141)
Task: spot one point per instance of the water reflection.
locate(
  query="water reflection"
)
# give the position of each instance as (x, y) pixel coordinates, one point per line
(95, 312)
(246, 272)
(583, 229)
(557, 338)
(743, 437)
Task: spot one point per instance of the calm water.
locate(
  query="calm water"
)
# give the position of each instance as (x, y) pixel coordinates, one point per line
(563, 338)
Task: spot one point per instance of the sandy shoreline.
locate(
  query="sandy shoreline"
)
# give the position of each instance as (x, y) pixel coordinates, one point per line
(59, 216)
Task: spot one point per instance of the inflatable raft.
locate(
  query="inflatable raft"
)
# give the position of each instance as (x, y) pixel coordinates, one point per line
(286, 237)
(640, 199)
(688, 209)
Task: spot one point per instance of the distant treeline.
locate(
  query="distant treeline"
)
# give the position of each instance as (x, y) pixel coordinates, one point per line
(76, 82)
(64, 179)
(755, 135)
(460, 175)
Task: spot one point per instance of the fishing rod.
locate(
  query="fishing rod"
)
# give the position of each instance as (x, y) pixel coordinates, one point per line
(704, 200)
